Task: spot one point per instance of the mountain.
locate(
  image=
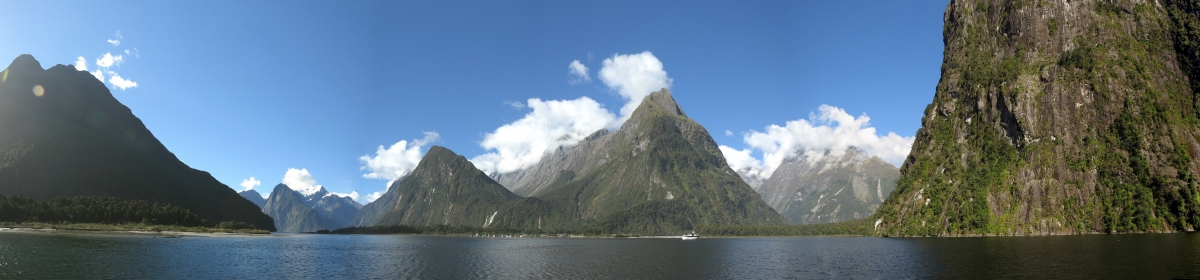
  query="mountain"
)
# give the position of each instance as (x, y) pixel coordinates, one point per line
(309, 210)
(751, 177)
(335, 211)
(1057, 117)
(829, 189)
(65, 135)
(287, 207)
(253, 196)
(444, 189)
(660, 172)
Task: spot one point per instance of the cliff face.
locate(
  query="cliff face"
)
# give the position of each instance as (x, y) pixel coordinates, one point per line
(1057, 117)
(287, 207)
(830, 189)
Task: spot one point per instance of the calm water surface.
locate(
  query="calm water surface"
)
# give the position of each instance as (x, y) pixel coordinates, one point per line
(74, 255)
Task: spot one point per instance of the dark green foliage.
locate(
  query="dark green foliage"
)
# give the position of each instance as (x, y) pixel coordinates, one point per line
(861, 227)
(235, 225)
(1081, 58)
(100, 210)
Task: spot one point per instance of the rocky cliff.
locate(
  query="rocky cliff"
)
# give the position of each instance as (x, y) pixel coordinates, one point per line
(1057, 117)
(287, 207)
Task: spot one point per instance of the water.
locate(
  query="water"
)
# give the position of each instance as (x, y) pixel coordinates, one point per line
(75, 255)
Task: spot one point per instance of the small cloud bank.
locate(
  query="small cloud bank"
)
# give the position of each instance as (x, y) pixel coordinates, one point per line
(105, 64)
(633, 76)
(578, 73)
(831, 130)
(353, 195)
(301, 181)
(394, 162)
(249, 184)
(551, 124)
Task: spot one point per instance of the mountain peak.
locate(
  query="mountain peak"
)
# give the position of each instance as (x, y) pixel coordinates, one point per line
(663, 98)
(25, 63)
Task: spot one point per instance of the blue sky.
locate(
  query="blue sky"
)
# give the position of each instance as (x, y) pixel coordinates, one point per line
(252, 89)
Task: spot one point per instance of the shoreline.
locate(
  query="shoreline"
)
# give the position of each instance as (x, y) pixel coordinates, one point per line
(105, 229)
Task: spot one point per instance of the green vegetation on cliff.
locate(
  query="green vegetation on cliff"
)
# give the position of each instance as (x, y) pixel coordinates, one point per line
(1057, 117)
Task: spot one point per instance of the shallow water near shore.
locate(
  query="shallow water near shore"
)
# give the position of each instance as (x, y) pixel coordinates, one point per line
(306, 256)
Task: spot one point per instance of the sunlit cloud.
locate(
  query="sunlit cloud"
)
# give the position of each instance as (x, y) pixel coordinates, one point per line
(106, 63)
(551, 124)
(831, 131)
(633, 76)
(578, 73)
(250, 183)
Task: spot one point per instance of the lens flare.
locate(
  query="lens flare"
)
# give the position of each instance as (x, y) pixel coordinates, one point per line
(38, 91)
(5, 79)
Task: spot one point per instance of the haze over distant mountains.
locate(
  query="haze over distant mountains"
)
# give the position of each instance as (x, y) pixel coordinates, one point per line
(65, 135)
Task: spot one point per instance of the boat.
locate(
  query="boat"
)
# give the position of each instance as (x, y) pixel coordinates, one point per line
(691, 236)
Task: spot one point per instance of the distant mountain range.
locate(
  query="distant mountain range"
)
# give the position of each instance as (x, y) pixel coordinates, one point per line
(660, 173)
(253, 196)
(63, 134)
(297, 211)
(829, 189)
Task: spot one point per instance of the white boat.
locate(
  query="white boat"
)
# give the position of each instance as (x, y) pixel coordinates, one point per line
(691, 236)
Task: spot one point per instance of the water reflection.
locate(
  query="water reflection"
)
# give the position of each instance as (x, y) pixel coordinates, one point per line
(363, 256)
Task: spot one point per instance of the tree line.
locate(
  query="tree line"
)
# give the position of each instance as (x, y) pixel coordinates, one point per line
(101, 210)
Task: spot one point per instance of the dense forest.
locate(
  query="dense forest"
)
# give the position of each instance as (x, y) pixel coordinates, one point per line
(854, 227)
(100, 210)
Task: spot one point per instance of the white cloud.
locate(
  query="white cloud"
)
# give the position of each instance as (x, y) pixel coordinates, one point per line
(81, 64)
(551, 124)
(372, 197)
(301, 181)
(114, 42)
(728, 133)
(396, 161)
(515, 105)
(578, 73)
(633, 76)
(831, 130)
(249, 184)
(109, 60)
(353, 195)
(119, 82)
(99, 74)
(741, 159)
